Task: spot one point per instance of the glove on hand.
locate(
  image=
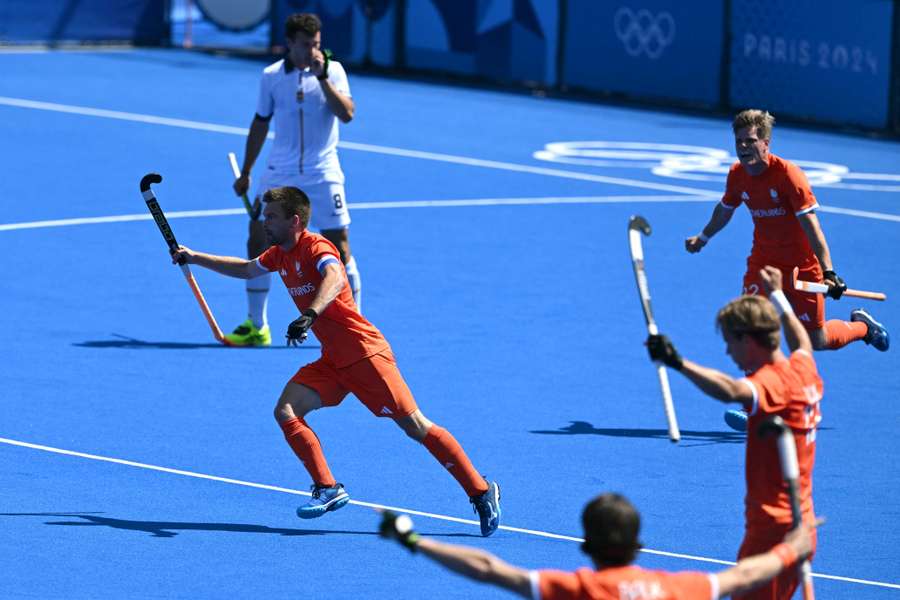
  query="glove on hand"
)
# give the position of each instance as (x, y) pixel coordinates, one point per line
(400, 528)
(296, 331)
(662, 350)
(836, 285)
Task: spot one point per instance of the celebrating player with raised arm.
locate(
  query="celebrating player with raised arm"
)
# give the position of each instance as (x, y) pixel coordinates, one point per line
(355, 357)
(786, 234)
(789, 387)
(611, 527)
(308, 94)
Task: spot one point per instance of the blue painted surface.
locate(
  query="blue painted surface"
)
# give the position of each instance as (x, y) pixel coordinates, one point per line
(825, 60)
(516, 327)
(656, 49)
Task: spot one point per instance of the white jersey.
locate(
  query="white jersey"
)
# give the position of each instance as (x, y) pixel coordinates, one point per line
(306, 131)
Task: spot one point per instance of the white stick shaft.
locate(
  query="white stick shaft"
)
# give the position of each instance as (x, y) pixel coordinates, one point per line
(234, 165)
(674, 433)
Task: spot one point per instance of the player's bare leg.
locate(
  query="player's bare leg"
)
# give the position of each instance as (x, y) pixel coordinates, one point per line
(484, 495)
(295, 403)
(341, 239)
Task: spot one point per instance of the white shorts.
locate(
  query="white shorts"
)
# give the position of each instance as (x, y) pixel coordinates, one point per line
(326, 198)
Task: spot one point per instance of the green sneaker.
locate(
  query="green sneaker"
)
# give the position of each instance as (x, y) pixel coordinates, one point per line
(246, 334)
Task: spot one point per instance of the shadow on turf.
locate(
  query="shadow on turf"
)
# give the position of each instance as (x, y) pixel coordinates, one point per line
(169, 529)
(132, 343)
(711, 437)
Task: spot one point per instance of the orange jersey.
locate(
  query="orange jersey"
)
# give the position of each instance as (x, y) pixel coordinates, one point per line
(623, 583)
(346, 336)
(775, 199)
(792, 390)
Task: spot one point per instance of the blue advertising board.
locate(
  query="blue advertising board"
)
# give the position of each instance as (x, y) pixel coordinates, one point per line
(508, 40)
(54, 21)
(828, 60)
(656, 48)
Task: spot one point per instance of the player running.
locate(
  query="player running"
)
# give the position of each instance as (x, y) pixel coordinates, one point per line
(775, 385)
(611, 527)
(786, 234)
(355, 359)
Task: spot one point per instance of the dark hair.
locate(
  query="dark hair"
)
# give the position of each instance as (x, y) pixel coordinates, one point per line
(307, 23)
(611, 526)
(293, 202)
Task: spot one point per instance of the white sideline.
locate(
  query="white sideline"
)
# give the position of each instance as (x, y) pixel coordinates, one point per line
(421, 204)
(449, 158)
(373, 505)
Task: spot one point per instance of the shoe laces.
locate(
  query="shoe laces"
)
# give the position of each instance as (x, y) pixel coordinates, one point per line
(318, 489)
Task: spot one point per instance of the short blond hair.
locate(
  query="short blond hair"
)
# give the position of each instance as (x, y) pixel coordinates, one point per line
(751, 315)
(752, 117)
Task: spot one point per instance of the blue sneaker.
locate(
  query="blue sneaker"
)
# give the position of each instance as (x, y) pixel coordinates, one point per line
(324, 499)
(877, 335)
(487, 505)
(736, 419)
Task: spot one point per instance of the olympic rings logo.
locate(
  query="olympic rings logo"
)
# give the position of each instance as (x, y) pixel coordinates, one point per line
(643, 33)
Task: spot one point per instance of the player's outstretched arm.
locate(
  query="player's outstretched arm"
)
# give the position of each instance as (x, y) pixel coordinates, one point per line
(810, 224)
(712, 382)
(226, 265)
(472, 563)
(720, 217)
(333, 281)
(756, 570)
(794, 333)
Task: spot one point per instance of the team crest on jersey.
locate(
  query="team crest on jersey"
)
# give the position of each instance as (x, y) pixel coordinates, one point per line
(774, 195)
(297, 268)
(745, 196)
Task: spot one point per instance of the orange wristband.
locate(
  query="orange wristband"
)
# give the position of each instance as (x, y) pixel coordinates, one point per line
(785, 554)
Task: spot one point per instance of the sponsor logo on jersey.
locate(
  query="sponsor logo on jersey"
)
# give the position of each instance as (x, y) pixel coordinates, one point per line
(283, 273)
(386, 411)
(804, 317)
(301, 290)
(745, 196)
(767, 212)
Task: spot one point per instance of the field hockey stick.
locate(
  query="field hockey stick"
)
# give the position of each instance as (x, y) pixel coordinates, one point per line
(253, 214)
(637, 226)
(167, 234)
(790, 471)
(812, 287)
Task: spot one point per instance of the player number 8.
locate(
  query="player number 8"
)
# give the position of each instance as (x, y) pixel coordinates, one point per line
(338, 202)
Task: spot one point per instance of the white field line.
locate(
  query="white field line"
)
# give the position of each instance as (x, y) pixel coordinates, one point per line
(363, 206)
(424, 204)
(450, 158)
(273, 488)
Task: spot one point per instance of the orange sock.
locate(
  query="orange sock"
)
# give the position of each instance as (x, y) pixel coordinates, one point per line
(305, 444)
(444, 447)
(840, 333)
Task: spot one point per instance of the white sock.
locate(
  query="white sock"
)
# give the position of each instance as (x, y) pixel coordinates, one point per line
(355, 282)
(257, 298)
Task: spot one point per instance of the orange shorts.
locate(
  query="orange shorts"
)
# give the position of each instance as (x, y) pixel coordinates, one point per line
(375, 380)
(758, 540)
(809, 308)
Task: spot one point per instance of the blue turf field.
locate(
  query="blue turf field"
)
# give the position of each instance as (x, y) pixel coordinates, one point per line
(503, 283)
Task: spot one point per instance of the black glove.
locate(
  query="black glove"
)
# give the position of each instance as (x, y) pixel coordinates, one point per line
(296, 332)
(836, 285)
(327, 56)
(661, 349)
(400, 528)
